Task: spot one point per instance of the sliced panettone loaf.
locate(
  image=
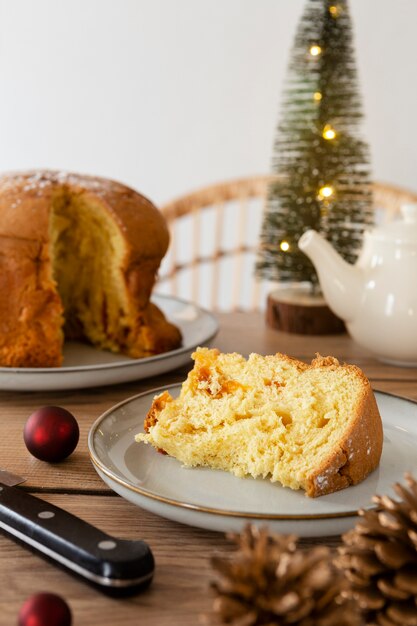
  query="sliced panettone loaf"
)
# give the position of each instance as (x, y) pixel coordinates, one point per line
(79, 257)
(314, 427)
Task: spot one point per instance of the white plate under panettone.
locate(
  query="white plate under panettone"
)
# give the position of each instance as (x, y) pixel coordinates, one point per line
(217, 500)
(86, 366)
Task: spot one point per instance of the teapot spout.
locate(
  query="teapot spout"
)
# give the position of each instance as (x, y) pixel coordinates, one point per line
(341, 282)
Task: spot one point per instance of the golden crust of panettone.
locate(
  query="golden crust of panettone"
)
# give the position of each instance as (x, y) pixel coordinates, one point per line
(30, 308)
(359, 451)
(356, 439)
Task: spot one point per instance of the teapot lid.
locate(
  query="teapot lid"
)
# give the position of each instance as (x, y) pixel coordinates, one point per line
(403, 230)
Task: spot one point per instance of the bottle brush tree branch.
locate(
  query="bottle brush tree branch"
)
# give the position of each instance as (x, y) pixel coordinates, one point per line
(321, 174)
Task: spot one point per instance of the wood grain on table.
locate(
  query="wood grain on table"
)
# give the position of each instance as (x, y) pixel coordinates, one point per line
(180, 593)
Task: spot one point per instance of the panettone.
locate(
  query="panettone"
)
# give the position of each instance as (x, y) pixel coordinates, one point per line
(78, 259)
(316, 427)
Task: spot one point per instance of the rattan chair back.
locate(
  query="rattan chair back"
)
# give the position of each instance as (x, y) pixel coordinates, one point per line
(214, 239)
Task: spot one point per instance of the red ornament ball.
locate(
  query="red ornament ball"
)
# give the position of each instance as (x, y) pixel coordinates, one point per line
(51, 434)
(45, 609)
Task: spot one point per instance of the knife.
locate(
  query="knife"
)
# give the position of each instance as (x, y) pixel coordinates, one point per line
(115, 566)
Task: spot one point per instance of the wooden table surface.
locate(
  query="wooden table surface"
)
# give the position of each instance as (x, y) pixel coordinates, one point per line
(180, 593)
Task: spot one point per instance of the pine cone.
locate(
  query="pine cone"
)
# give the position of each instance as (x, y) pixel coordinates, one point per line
(380, 559)
(268, 581)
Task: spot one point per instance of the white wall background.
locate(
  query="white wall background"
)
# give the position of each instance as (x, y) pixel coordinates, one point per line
(170, 95)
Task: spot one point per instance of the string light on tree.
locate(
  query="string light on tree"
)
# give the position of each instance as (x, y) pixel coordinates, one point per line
(326, 192)
(284, 246)
(334, 10)
(317, 96)
(328, 132)
(315, 50)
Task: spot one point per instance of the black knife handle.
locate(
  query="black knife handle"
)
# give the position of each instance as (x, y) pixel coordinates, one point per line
(111, 564)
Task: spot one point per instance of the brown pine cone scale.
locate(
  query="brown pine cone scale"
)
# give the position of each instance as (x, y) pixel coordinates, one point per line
(269, 582)
(379, 558)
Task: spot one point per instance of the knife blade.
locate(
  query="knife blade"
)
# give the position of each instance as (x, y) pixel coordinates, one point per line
(115, 566)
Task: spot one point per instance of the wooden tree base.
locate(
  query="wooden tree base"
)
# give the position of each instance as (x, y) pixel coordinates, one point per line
(297, 311)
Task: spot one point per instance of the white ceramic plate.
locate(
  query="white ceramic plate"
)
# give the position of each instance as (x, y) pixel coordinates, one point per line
(217, 500)
(85, 366)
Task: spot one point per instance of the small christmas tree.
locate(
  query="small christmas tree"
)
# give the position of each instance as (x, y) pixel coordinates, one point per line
(321, 164)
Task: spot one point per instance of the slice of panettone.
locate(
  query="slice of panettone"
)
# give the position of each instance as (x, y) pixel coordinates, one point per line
(314, 427)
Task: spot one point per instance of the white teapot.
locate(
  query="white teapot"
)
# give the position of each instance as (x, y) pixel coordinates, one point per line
(376, 297)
